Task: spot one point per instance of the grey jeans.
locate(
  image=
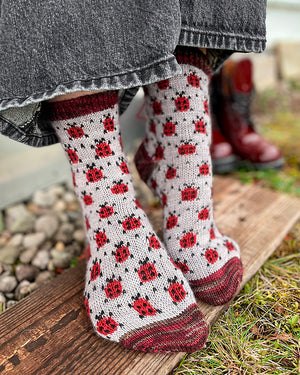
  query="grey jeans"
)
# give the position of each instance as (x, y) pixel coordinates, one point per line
(53, 47)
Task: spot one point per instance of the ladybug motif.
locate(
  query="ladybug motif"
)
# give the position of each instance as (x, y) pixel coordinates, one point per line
(154, 243)
(182, 103)
(152, 128)
(107, 326)
(131, 223)
(88, 252)
(87, 224)
(109, 124)
(121, 143)
(113, 289)
(200, 127)
(204, 214)
(204, 169)
(212, 234)
(147, 271)
(153, 184)
(74, 180)
(171, 173)
(186, 149)
(189, 194)
(159, 153)
(95, 271)
(122, 253)
(183, 267)
(164, 200)
(93, 174)
(73, 157)
(157, 108)
(193, 80)
(103, 149)
(163, 85)
(144, 308)
(171, 222)
(137, 203)
(169, 128)
(205, 106)
(87, 199)
(188, 240)
(124, 167)
(211, 255)
(229, 246)
(105, 211)
(174, 264)
(101, 239)
(87, 306)
(177, 292)
(119, 188)
(75, 132)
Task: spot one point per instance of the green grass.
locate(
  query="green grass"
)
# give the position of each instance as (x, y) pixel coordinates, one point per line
(260, 331)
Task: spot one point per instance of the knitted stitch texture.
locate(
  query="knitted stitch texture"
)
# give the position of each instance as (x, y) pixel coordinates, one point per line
(174, 160)
(133, 293)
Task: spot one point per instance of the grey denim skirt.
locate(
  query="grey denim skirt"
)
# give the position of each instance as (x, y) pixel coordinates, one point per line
(54, 47)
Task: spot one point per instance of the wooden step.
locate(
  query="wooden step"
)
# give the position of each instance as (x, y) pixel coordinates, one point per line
(49, 333)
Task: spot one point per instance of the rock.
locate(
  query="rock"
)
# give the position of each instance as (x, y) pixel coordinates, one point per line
(74, 215)
(2, 298)
(16, 240)
(74, 249)
(9, 254)
(47, 224)
(7, 283)
(19, 219)
(22, 289)
(60, 259)
(26, 272)
(43, 277)
(27, 255)
(9, 295)
(50, 266)
(11, 303)
(58, 190)
(1, 268)
(69, 197)
(34, 239)
(60, 205)
(44, 198)
(79, 224)
(59, 246)
(62, 216)
(3, 241)
(7, 268)
(79, 235)
(65, 233)
(41, 259)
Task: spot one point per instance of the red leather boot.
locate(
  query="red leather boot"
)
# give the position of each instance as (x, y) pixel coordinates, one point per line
(231, 94)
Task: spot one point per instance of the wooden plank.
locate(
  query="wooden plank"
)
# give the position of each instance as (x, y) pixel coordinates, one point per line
(49, 332)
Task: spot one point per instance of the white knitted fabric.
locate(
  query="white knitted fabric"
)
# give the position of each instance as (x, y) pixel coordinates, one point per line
(177, 141)
(130, 280)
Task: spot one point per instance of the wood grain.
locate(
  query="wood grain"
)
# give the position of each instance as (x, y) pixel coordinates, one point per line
(49, 332)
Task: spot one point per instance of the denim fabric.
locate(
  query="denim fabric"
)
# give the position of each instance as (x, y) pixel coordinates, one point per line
(53, 47)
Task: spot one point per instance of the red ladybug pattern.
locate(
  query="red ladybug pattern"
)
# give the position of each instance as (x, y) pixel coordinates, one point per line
(143, 307)
(113, 289)
(177, 292)
(147, 272)
(95, 271)
(107, 326)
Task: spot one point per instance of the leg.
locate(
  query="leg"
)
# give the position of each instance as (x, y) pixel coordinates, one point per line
(133, 292)
(175, 161)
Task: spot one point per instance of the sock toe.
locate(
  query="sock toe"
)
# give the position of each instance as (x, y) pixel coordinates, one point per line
(186, 332)
(220, 287)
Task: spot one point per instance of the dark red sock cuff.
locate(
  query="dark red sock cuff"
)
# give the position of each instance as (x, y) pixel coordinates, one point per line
(193, 56)
(83, 105)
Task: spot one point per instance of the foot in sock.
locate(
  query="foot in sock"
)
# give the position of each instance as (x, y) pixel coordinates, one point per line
(133, 293)
(174, 160)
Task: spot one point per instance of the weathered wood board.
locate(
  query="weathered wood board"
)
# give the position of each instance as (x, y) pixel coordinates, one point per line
(49, 332)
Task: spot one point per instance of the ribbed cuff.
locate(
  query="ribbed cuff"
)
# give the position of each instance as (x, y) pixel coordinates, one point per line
(193, 56)
(81, 106)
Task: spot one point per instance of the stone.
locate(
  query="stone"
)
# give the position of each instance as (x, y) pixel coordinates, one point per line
(288, 55)
(74, 215)
(62, 217)
(69, 197)
(43, 277)
(11, 303)
(50, 266)
(60, 205)
(1, 268)
(9, 295)
(19, 219)
(65, 233)
(26, 272)
(34, 239)
(79, 236)
(7, 268)
(3, 241)
(7, 283)
(2, 298)
(44, 198)
(16, 240)
(22, 289)
(41, 259)
(60, 259)
(47, 224)
(58, 190)
(74, 249)
(9, 254)
(27, 255)
(59, 246)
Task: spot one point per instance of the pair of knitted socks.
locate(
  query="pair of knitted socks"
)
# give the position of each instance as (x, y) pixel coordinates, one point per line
(139, 291)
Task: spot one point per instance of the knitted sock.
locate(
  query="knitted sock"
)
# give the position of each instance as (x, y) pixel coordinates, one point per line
(175, 161)
(133, 293)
